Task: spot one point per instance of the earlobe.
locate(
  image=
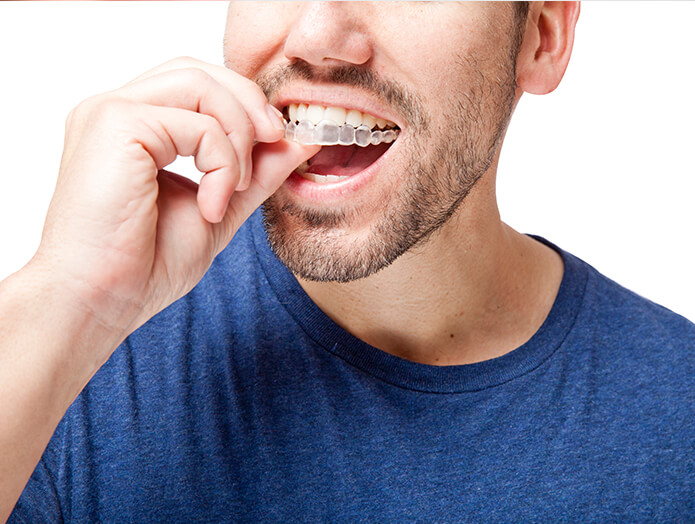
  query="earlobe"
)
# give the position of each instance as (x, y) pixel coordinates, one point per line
(547, 46)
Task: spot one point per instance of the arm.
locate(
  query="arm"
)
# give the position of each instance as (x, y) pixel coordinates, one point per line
(48, 353)
(123, 238)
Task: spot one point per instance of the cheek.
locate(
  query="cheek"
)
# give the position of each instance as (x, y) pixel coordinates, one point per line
(441, 41)
(254, 35)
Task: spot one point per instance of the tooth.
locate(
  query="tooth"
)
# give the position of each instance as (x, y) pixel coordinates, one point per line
(315, 113)
(326, 133)
(310, 176)
(354, 118)
(368, 120)
(304, 133)
(363, 136)
(293, 112)
(389, 136)
(337, 114)
(290, 129)
(390, 124)
(347, 135)
(302, 168)
(301, 112)
(323, 179)
(380, 122)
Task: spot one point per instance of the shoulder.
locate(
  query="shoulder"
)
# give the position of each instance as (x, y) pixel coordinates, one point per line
(606, 314)
(631, 364)
(635, 320)
(637, 349)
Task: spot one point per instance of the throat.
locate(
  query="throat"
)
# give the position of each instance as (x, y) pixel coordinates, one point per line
(496, 309)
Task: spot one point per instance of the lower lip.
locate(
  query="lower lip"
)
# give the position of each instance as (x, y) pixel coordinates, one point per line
(309, 190)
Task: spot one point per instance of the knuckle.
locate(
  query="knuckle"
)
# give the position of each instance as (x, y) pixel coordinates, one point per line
(189, 82)
(182, 62)
(191, 74)
(109, 108)
(80, 113)
(211, 127)
(99, 110)
(210, 123)
(195, 78)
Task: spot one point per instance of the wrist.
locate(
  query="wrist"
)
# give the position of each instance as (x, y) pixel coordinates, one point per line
(85, 300)
(59, 325)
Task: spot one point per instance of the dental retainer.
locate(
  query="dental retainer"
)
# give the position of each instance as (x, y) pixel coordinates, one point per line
(328, 133)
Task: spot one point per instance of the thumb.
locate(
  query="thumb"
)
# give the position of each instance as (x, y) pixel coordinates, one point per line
(272, 164)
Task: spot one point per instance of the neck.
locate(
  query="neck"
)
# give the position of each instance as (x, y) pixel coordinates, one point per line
(473, 291)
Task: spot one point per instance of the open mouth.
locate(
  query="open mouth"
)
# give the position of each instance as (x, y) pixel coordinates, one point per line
(352, 140)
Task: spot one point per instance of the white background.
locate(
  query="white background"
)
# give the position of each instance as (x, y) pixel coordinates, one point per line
(603, 167)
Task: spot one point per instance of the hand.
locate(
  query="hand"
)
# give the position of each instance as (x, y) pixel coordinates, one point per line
(128, 238)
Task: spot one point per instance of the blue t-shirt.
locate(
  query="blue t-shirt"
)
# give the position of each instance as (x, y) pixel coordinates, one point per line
(244, 402)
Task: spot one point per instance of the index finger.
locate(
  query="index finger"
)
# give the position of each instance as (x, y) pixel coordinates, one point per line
(266, 119)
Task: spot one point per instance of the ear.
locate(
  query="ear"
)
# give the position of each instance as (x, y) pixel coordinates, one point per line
(547, 46)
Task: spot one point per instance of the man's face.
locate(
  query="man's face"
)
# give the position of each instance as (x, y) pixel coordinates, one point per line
(442, 72)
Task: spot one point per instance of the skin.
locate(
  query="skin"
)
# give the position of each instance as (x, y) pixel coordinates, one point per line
(442, 151)
(505, 282)
(123, 238)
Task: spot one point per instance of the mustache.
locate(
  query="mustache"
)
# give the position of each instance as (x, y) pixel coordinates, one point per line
(392, 93)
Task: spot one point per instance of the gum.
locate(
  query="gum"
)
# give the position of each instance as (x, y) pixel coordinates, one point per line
(328, 133)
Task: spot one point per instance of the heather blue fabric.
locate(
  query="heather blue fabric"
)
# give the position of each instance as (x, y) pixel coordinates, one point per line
(243, 402)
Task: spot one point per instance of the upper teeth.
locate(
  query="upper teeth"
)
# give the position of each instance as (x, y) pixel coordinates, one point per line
(339, 115)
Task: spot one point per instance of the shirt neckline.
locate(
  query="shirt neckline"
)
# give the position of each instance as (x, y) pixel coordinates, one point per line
(412, 375)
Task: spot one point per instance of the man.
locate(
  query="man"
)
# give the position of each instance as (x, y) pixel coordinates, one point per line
(410, 357)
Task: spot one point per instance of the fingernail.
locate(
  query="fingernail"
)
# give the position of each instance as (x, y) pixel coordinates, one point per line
(245, 180)
(249, 172)
(275, 117)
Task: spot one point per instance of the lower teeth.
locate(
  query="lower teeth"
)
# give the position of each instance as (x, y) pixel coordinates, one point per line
(328, 133)
(322, 179)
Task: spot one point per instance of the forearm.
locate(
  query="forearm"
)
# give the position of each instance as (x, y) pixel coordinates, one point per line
(51, 346)
(131, 236)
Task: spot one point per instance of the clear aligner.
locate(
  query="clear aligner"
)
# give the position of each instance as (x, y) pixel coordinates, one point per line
(328, 133)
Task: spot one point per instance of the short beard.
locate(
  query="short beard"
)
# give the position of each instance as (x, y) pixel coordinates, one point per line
(316, 245)
(436, 186)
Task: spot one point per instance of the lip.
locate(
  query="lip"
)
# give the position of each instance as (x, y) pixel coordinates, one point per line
(335, 96)
(336, 191)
